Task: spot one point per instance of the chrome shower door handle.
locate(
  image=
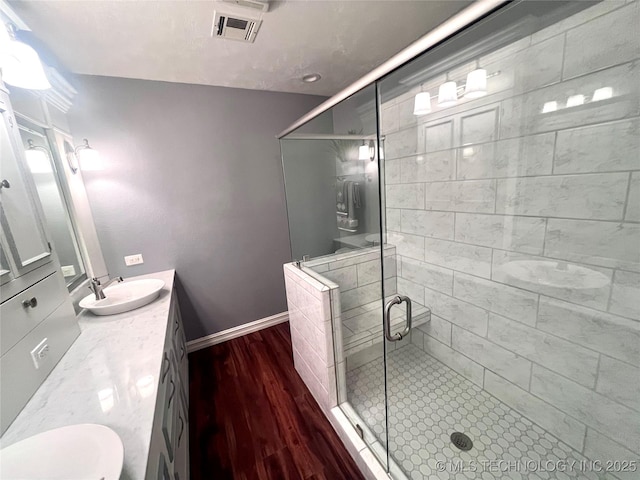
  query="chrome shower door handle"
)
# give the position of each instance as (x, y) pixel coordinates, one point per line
(397, 300)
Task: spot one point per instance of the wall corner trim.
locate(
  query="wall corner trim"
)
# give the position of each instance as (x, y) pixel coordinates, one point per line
(235, 332)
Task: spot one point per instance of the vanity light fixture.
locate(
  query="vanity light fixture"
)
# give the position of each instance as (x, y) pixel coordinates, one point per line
(422, 103)
(476, 85)
(603, 93)
(20, 63)
(37, 158)
(88, 158)
(448, 94)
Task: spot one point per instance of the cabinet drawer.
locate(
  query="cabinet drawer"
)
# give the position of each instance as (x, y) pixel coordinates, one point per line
(18, 373)
(18, 319)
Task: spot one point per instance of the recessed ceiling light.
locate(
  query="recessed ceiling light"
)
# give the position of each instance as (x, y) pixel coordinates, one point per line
(311, 77)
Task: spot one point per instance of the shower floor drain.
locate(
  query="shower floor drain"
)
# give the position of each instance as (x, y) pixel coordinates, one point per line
(461, 441)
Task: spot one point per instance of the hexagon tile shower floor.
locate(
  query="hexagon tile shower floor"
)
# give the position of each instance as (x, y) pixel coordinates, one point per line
(428, 401)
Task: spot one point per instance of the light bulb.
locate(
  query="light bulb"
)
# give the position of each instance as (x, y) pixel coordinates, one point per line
(476, 86)
(448, 94)
(603, 93)
(422, 103)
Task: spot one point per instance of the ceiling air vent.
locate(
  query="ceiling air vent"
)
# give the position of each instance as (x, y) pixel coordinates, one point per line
(235, 27)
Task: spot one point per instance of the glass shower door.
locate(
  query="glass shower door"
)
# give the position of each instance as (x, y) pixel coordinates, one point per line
(511, 163)
(333, 204)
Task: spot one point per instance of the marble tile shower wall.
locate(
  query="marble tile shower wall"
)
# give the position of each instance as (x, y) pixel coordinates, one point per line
(485, 197)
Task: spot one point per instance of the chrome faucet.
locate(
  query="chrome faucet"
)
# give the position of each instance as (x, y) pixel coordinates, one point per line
(97, 287)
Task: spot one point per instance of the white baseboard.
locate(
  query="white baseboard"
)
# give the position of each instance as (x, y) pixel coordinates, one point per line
(235, 332)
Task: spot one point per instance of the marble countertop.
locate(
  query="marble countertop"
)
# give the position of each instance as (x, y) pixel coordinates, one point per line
(109, 377)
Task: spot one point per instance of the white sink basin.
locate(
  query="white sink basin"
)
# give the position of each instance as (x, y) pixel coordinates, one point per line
(122, 297)
(75, 452)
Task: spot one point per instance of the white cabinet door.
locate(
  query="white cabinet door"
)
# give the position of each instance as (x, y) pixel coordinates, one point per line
(22, 228)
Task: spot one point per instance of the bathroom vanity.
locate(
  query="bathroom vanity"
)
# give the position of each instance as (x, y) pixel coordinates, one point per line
(128, 372)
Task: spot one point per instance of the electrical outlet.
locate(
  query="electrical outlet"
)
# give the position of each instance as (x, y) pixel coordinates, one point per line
(133, 259)
(39, 353)
(68, 271)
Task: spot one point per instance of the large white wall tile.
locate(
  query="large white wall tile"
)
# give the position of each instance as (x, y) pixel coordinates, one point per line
(429, 167)
(405, 196)
(521, 156)
(389, 119)
(428, 224)
(479, 126)
(437, 328)
(594, 45)
(594, 196)
(439, 136)
(619, 381)
(586, 285)
(597, 447)
(571, 360)
(411, 289)
(407, 245)
(461, 196)
(458, 256)
(458, 312)
(392, 171)
(595, 410)
(633, 202)
(345, 277)
(598, 148)
(392, 218)
(625, 296)
(540, 64)
(371, 271)
(427, 275)
(612, 335)
(544, 414)
(505, 363)
(609, 244)
(461, 364)
(401, 144)
(522, 234)
(498, 298)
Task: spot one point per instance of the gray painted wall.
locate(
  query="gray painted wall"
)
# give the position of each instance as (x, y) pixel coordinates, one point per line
(193, 182)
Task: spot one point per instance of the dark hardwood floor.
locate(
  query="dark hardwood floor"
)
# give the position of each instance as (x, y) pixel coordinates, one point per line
(252, 417)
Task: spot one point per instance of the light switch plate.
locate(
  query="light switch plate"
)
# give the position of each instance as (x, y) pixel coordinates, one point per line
(133, 259)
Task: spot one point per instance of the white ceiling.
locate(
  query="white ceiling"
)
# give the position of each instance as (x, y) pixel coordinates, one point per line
(170, 40)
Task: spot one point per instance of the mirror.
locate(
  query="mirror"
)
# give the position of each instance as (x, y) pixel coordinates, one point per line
(41, 164)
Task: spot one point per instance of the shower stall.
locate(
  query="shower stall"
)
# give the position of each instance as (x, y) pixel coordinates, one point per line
(475, 215)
